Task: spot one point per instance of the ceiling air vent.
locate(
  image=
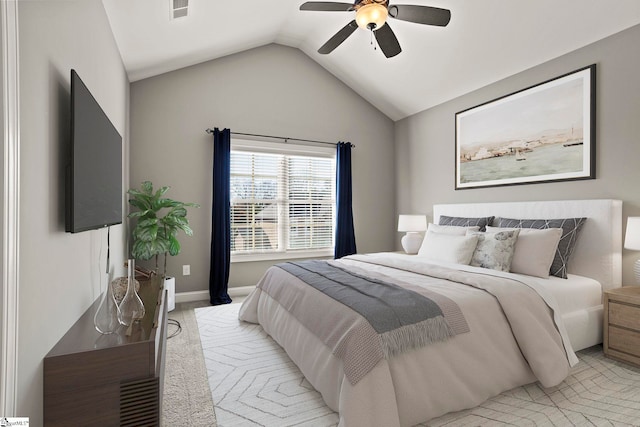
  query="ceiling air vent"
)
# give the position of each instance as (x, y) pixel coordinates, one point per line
(179, 8)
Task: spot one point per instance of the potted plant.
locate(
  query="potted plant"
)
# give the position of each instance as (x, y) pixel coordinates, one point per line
(159, 220)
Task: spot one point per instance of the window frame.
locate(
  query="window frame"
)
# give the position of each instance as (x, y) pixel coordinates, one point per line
(291, 149)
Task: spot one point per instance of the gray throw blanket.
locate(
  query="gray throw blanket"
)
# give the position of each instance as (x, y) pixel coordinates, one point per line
(404, 320)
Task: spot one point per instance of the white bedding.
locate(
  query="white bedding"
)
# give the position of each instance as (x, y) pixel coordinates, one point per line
(598, 254)
(421, 384)
(574, 293)
(469, 368)
(576, 301)
(580, 302)
(565, 297)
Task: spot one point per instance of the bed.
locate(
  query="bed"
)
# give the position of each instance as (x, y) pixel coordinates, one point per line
(519, 329)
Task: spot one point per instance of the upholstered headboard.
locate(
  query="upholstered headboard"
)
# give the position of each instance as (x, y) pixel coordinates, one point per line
(598, 252)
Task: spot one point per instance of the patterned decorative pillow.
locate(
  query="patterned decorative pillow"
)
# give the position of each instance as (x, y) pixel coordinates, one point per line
(495, 250)
(570, 229)
(465, 222)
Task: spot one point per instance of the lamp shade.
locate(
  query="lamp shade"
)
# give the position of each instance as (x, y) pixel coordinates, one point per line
(409, 223)
(632, 236)
(371, 16)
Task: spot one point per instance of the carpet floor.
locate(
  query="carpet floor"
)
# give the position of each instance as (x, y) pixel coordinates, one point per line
(253, 383)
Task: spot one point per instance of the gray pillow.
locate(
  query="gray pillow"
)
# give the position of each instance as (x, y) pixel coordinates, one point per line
(465, 222)
(570, 229)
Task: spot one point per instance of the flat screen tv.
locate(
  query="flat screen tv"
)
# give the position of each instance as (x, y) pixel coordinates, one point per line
(94, 175)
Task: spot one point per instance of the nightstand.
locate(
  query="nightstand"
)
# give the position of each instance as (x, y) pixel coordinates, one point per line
(621, 338)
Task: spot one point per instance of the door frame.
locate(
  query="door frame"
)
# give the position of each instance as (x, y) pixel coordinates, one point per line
(10, 191)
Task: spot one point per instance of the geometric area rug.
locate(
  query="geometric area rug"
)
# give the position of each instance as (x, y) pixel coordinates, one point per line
(254, 383)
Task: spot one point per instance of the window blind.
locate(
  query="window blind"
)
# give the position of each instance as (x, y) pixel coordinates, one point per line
(281, 202)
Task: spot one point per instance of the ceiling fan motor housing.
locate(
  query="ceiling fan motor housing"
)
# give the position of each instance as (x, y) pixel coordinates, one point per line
(371, 14)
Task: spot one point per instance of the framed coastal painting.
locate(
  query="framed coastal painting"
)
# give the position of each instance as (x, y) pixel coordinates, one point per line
(544, 133)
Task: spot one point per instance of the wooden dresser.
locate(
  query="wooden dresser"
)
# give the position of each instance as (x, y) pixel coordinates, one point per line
(621, 338)
(92, 379)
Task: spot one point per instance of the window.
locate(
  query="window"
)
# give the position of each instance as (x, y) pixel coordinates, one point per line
(282, 200)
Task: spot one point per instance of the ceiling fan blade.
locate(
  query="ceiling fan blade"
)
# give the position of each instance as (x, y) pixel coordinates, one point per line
(421, 14)
(387, 41)
(338, 38)
(326, 6)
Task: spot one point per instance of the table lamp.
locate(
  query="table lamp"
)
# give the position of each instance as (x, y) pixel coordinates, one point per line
(632, 242)
(412, 225)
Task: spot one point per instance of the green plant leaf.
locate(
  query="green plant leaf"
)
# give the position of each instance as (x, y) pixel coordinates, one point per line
(161, 246)
(148, 221)
(174, 221)
(187, 230)
(159, 221)
(138, 194)
(161, 192)
(168, 203)
(177, 211)
(138, 214)
(140, 203)
(147, 187)
(174, 246)
(141, 250)
(147, 233)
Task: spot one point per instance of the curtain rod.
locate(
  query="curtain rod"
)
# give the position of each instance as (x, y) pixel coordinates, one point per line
(284, 138)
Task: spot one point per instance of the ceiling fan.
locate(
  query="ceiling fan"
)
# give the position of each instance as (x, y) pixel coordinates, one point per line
(372, 15)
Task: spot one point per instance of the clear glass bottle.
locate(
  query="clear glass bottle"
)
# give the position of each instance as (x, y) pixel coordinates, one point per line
(107, 317)
(131, 306)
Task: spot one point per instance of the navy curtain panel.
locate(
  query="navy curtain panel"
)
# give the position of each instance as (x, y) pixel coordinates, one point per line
(220, 219)
(345, 236)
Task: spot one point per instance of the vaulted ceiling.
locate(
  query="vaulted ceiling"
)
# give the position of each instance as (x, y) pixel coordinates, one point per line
(486, 40)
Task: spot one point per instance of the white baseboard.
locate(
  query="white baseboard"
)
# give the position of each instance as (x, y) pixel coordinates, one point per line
(192, 296)
(241, 291)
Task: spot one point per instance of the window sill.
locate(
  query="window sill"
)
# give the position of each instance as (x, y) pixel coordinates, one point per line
(281, 256)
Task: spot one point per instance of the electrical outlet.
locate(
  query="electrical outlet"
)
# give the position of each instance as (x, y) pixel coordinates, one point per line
(186, 270)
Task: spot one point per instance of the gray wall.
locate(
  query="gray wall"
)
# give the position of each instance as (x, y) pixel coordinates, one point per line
(425, 142)
(59, 272)
(273, 90)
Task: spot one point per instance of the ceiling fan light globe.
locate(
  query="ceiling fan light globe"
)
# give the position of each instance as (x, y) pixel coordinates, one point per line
(371, 16)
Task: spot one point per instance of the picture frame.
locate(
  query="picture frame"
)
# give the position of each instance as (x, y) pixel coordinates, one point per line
(544, 133)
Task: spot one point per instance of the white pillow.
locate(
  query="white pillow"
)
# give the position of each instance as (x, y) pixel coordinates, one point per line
(451, 229)
(448, 247)
(534, 250)
(495, 250)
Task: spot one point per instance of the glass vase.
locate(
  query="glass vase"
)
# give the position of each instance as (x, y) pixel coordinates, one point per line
(107, 317)
(131, 306)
